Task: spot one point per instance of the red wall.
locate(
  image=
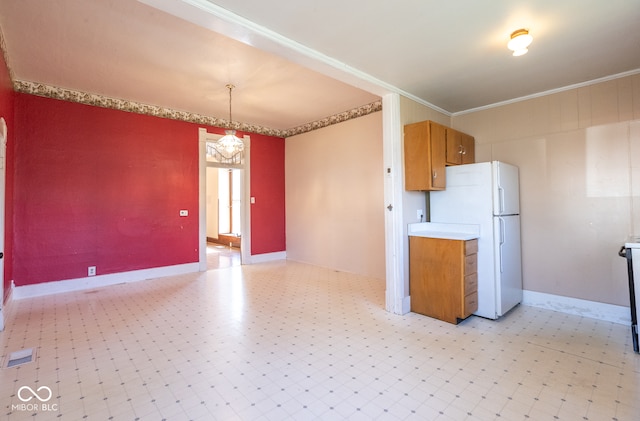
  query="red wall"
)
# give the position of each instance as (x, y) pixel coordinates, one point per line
(267, 186)
(100, 187)
(6, 111)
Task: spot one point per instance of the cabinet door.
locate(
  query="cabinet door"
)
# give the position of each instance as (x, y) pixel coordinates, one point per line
(436, 278)
(438, 156)
(468, 148)
(454, 147)
(460, 148)
(424, 156)
(417, 169)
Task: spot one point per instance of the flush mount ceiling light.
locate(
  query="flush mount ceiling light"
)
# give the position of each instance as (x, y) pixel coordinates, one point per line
(229, 146)
(519, 42)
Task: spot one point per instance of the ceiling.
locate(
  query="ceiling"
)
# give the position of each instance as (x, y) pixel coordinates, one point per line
(294, 62)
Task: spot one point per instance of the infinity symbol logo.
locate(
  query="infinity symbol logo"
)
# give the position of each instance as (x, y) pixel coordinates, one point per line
(34, 394)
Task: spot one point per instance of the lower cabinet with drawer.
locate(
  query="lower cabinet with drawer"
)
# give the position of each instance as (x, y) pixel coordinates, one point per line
(443, 278)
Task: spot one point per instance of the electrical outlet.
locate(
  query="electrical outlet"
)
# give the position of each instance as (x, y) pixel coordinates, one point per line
(91, 271)
(420, 215)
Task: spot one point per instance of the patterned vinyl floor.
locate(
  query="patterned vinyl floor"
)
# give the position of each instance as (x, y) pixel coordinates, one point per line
(289, 341)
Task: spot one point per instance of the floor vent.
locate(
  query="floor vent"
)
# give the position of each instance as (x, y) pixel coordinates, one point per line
(21, 357)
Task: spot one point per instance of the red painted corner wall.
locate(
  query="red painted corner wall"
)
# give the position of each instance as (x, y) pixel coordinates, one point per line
(268, 233)
(7, 111)
(100, 187)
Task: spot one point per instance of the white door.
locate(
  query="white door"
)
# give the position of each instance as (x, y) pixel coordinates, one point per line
(506, 197)
(3, 149)
(508, 263)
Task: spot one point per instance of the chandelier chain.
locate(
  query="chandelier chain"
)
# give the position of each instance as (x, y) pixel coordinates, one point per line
(230, 87)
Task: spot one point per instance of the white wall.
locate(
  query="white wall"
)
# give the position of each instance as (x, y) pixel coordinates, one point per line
(334, 197)
(579, 157)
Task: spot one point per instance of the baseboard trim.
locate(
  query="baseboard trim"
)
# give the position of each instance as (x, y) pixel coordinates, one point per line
(268, 257)
(592, 309)
(69, 285)
(6, 307)
(406, 305)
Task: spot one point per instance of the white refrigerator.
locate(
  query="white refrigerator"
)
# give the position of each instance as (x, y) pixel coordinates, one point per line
(487, 194)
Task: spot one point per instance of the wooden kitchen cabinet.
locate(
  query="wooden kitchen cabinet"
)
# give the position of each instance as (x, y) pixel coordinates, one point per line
(424, 156)
(443, 278)
(460, 148)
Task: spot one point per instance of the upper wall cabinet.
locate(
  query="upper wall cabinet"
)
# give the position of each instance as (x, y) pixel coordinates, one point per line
(460, 148)
(425, 146)
(428, 148)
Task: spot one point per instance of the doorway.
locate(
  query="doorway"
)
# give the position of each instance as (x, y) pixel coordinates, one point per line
(237, 223)
(229, 207)
(224, 217)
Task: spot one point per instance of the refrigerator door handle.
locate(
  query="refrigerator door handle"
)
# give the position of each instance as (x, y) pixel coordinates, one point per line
(500, 200)
(502, 240)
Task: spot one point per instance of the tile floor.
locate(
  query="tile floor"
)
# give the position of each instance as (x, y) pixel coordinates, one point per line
(219, 256)
(285, 340)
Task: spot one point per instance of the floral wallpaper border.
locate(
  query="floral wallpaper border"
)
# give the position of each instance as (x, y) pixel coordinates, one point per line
(152, 110)
(336, 118)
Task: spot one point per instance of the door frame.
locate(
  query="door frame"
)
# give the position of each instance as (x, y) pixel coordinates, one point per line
(3, 178)
(245, 193)
(397, 298)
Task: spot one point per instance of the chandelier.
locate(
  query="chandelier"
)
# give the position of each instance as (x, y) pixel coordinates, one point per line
(230, 146)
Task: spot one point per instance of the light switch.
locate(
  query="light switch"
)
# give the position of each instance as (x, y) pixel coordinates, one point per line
(253, 200)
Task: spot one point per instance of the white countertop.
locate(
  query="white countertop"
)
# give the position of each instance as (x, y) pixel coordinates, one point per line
(633, 242)
(462, 232)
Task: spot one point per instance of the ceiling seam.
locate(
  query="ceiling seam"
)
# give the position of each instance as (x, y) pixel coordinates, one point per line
(5, 54)
(64, 94)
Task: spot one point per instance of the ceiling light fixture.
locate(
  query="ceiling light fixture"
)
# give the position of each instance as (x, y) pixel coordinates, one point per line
(519, 42)
(229, 145)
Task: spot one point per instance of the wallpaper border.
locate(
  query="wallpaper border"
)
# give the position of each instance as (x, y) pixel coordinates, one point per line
(64, 94)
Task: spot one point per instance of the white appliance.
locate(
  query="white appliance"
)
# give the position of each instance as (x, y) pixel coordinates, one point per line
(631, 251)
(487, 194)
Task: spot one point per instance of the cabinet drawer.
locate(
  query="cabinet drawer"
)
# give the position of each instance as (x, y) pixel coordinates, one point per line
(470, 264)
(470, 247)
(470, 283)
(470, 304)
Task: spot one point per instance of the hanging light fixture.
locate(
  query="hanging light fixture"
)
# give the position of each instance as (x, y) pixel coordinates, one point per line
(229, 145)
(519, 42)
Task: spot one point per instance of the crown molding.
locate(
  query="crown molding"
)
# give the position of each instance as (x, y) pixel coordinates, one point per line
(549, 92)
(54, 92)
